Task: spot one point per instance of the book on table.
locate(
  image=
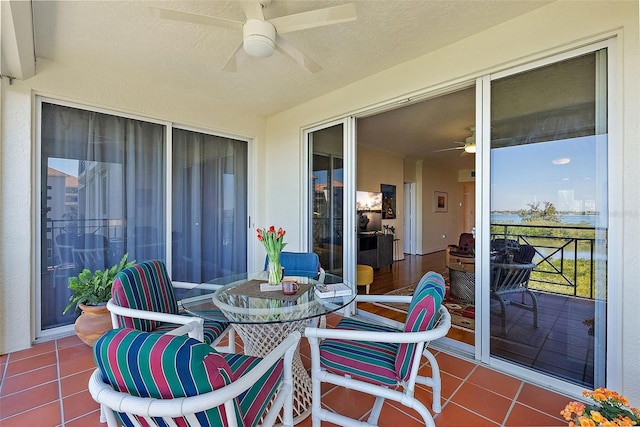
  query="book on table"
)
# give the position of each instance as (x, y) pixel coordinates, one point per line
(333, 290)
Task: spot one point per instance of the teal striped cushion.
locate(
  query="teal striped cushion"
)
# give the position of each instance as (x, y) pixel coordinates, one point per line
(253, 402)
(368, 361)
(162, 367)
(422, 316)
(212, 329)
(145, 286)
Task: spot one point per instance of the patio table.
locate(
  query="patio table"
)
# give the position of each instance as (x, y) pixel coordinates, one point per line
(263, 319)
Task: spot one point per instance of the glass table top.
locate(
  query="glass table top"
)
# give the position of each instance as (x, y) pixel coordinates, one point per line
(240, 298)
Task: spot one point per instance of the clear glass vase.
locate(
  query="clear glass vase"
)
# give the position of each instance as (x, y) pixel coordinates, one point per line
(274, 271)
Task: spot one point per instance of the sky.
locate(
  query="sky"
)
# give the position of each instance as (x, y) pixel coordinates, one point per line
(563, 172)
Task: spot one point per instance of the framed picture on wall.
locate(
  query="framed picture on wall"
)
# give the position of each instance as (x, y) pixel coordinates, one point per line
(441, 201)
(388, 201)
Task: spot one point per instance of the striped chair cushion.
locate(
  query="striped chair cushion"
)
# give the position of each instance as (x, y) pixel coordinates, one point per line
(421, 316)
(145, 286)
(211, 329)
(368, 361)
(162, 367)
(254, 401)
(170, 367)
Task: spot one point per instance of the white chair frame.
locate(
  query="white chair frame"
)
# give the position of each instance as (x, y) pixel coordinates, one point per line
(111, 400)
(406, 395)
(117, 310)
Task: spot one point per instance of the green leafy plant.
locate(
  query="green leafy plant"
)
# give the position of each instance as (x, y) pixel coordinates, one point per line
(94, 287)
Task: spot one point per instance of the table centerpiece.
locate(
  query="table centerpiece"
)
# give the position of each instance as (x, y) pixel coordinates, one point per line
(272, 241)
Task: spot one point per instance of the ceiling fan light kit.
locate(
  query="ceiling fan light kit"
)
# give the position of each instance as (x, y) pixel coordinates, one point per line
(259, 38)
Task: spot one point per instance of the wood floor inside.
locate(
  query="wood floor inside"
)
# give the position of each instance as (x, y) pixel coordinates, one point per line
(405, 273)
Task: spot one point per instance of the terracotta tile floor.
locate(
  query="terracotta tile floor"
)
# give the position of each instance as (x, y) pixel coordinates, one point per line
(46, 385)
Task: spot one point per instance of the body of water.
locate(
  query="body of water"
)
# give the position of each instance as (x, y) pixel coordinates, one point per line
(573, 219)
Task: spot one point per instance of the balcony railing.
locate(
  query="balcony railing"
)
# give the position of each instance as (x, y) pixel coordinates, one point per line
(566, 255)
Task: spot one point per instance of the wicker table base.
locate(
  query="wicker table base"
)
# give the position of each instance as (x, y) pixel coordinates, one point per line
(260, 339)
(462, 278)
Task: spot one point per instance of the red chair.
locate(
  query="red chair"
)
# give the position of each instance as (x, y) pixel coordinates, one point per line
(463, 252)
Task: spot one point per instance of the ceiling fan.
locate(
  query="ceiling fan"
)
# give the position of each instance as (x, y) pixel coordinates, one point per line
(469, 144)
(261, 37)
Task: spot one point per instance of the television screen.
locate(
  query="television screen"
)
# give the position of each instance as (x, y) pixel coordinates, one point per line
(369, 207)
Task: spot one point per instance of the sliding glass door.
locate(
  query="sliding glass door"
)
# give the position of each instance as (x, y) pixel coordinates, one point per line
(103, 180)
(327, 197)
(549, 219)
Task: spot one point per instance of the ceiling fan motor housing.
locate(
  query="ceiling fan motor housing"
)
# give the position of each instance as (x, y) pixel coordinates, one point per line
(259, 38)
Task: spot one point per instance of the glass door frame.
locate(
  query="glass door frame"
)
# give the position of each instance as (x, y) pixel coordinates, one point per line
(36, 304)
(614, 254)
(349, 194)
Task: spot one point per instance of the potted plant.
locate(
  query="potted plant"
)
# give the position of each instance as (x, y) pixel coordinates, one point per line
(90, 292)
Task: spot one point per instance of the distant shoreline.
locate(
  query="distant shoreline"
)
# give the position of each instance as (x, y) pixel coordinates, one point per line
(564, 217)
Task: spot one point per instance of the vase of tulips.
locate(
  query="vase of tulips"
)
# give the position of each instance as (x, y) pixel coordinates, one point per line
(272, 241)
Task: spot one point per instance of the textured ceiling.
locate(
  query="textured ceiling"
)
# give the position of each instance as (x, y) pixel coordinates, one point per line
(122, 37)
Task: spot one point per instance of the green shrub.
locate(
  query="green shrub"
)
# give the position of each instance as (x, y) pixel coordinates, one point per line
(94, 288)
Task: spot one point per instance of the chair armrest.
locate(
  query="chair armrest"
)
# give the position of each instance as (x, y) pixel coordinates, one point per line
(440, 330)
(174, 408)
(191, 329)
(117, 310)
(384, 298)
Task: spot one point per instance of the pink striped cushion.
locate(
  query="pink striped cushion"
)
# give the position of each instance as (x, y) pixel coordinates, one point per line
(145, 286)
(368, 361)
(422, 316)
(165, 367)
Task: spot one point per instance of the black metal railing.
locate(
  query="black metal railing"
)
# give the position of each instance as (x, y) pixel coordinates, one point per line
(565, 255)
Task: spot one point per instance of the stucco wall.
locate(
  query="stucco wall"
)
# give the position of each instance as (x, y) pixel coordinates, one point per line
(18, 232)
(558, 27)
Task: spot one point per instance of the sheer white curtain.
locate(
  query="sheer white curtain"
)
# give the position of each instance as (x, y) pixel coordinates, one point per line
(209, 230)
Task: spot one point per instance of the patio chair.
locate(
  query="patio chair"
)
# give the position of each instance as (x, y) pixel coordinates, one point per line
(381, 360)
(513, 278)
(301, 264)
(463, 252)
(161, 380)
(143, 298)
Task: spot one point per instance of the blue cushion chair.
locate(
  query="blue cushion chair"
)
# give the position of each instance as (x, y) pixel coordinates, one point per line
(381, 360)
(143, 298)
(300, 264)
(154, 379)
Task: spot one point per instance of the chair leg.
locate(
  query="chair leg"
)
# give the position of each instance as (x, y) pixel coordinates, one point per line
(436, 381)
(375, 411)
(534, 308)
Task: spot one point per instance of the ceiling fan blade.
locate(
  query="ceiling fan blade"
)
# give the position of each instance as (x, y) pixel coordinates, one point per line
(448, 149)
(293, 53)
(174, 15)
(231, 65)
(314, 18)
(252, 9)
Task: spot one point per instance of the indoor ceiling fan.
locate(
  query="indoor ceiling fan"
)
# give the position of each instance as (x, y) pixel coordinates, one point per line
(261, 37)
(469, 144)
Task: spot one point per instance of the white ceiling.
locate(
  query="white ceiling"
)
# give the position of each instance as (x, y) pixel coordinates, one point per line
(123, 37)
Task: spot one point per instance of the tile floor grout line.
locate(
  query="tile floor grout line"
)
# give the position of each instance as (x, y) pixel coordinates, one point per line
(4, 372)
(60, 401)
(513, 403)
(465, 380)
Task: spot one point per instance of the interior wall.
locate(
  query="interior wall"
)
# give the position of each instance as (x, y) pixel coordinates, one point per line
(440, 229)
(376, 167)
